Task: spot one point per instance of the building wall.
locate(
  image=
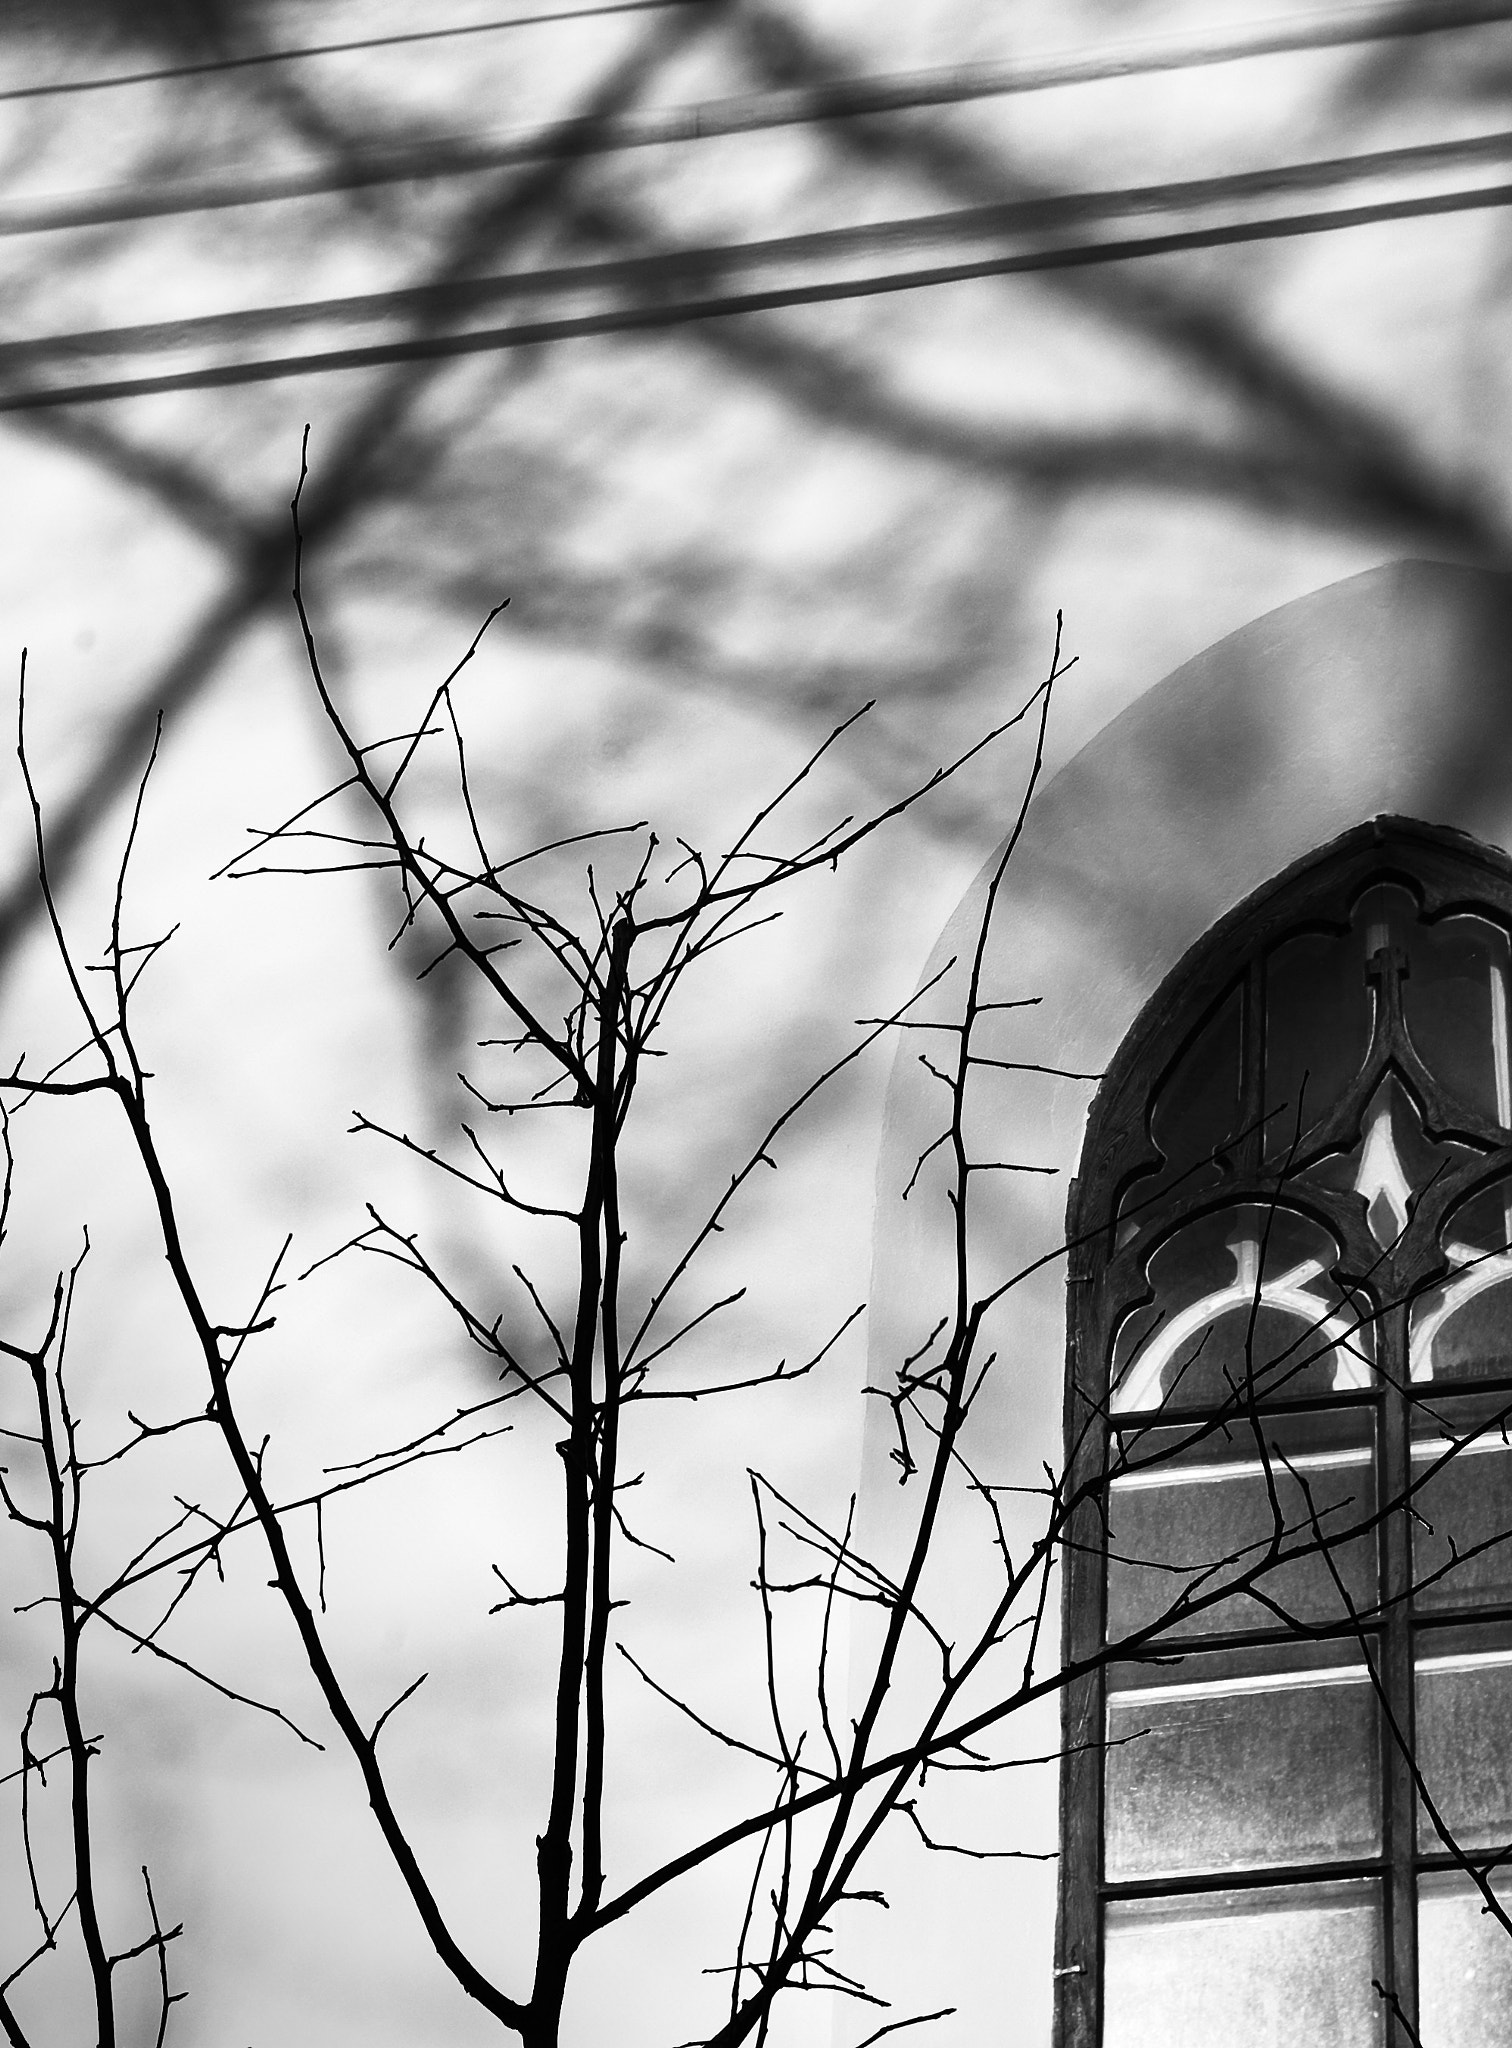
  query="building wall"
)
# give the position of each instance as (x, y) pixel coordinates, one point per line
(719, 539)
(1390, 692)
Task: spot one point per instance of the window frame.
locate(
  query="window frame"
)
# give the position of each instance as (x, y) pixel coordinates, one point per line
(1448, 871)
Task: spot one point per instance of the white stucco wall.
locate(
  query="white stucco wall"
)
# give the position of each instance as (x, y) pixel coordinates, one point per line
(1390, 692)
(719, 540)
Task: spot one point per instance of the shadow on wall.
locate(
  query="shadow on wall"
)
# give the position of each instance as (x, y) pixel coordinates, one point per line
(1390, 692)
(430, 478)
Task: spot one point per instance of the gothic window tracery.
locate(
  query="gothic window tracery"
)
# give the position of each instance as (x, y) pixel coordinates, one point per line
(1288, 1415)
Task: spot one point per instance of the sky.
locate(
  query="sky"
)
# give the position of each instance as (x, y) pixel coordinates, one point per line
(771, 360)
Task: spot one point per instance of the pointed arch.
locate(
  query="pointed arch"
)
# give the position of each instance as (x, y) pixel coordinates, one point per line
(1291, 1319)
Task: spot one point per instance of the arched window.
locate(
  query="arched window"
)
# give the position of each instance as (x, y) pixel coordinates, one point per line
(1289, 1428)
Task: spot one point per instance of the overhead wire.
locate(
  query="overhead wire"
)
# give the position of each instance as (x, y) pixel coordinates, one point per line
(593, 135)
(625, 320)
(55, 87)
(654, 271)
(1319, 31)
(650, 270)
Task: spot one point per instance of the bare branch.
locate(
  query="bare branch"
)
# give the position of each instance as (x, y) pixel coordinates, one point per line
(408, 1693)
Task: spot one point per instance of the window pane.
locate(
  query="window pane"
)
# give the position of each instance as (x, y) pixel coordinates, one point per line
(1317, 1029)
(1463, 1329)
(1239, 1769)
(1473, 1340)
(1454, 1000)
(1463, 1511)
(1175, 1519)
(1196, 1110)
(1464, 1966)
(1241, 1298)
(1265, 1969)
(1464, 1742)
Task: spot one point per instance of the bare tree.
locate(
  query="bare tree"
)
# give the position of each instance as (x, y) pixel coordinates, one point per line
(579, 1005)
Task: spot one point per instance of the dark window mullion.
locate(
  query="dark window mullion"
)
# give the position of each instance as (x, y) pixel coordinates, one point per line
(1399, 1791)
(1078, 1941)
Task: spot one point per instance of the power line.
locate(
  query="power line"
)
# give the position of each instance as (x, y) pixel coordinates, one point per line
(289, 56)
(700, 265)
(636, 319)
(598, 135)
(1355, 24)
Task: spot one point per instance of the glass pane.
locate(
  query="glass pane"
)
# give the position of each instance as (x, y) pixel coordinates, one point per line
(1317, 1029)
(1196, 1109)
(1192, 1517)
(1464, 1966)
(1241, 1302)
(1239, 1771)
(1454, 1000)
(1264, 1969)
(1485, 1221)
(1320, 998)
(1464, 1744)
(1463, 1329)
(1462, 1524)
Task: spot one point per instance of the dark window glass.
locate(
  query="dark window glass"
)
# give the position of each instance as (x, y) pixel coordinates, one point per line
(1455, 1002)
(1317, 1029)
(1196, 1112)
(1485, 1221)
